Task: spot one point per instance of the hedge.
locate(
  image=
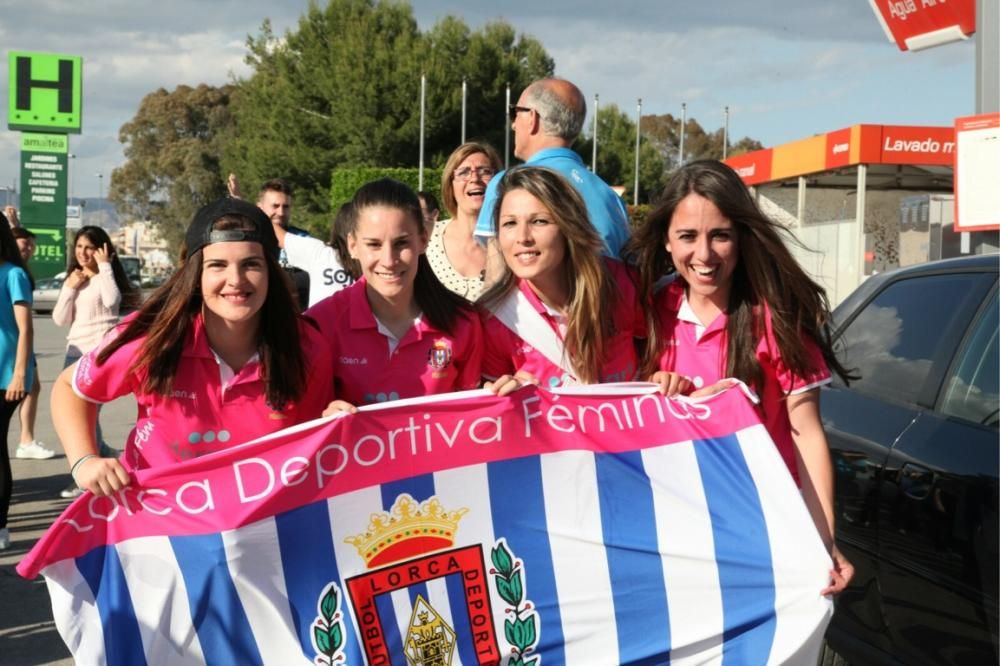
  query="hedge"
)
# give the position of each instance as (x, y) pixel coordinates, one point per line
(345, 181)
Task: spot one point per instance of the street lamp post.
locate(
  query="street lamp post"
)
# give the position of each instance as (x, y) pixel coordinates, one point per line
(593, 156)
(100, 186)
(72, 157)
(638, 125)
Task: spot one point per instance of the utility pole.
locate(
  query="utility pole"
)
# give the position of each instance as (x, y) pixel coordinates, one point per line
(680, 156)
(593, 157)
(638, 123)
(423, 99)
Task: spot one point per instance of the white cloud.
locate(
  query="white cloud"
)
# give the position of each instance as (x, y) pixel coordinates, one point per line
(786, 68)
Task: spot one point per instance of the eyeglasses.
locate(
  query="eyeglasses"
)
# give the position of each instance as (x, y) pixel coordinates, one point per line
(466, 173)
(514, 109)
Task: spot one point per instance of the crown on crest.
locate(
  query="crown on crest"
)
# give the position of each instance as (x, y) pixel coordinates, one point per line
(407, 530)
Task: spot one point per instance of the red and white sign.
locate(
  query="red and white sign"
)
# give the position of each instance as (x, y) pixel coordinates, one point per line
(917, 145)
(921, 24)
(754, 167)
(838, 148)
(977, 197)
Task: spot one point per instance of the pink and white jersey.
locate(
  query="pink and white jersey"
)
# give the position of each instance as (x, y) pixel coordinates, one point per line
(202, 414)
(507, 352)
(425, 361)
(703, 360)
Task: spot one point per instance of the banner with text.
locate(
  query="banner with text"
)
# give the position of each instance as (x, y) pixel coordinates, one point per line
(591, 526)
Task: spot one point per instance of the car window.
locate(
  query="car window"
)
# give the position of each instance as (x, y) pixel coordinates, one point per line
(973, 390)
(898, 336)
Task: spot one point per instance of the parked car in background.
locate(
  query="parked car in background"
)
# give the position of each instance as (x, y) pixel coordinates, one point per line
(46, 293)
(914, 444)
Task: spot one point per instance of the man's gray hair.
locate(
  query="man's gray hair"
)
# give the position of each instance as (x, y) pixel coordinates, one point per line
(558, 118)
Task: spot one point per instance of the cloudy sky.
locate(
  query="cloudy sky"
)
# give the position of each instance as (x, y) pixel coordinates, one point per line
(787, 69)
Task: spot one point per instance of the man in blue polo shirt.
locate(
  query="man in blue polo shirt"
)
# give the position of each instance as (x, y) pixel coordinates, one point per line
(546, 121)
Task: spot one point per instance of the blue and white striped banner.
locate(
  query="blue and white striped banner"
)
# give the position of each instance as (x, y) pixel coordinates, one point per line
(583, 528)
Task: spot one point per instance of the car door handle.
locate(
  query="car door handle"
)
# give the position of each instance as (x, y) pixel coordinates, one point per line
(915, 481)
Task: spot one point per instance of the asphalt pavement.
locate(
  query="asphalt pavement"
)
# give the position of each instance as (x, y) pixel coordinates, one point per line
(27, 634)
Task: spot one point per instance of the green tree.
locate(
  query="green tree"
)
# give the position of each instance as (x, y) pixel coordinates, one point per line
(664, 133)
(172, 157)
(343, 89)
(616, 154)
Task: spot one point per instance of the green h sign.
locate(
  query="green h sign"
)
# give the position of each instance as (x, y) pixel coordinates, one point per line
(46, 92)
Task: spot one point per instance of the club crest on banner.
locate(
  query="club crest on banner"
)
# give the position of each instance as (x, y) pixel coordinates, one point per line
(406, 548)
(429, 641)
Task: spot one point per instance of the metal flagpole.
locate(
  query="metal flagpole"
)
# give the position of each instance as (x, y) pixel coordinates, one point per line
(725, 134)
(464, 90)
(423, 98)
(638, 123)
(506, 133)
(593, 158)
(684, 111)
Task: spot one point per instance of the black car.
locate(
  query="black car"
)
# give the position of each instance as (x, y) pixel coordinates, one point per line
(914, 444)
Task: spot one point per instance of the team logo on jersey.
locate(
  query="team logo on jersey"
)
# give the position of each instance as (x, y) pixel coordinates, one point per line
(412, 561)
(439, 356)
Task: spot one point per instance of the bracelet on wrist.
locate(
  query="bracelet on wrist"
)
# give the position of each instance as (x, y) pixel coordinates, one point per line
(76, 465)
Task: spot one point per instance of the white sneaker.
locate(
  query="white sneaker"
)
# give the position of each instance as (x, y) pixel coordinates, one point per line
(72, 491)
(4, 539)
(34, 450)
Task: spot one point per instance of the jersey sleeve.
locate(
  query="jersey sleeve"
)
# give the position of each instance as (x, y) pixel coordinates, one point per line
(791, 383)
(498, 352)
(309, 253)
(319, 379)
(19, 286)
(104, 382)
(630, 312)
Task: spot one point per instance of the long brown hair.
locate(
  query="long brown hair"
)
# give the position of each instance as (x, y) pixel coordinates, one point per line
(99, 238)
(766, 276)
(8, 248)
(166, 319)
(438, 304)
(591, 287)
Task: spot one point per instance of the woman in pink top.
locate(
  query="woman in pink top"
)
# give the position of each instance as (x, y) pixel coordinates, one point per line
(397, 332)
(562, 312)
(216, 357)
(740, 306)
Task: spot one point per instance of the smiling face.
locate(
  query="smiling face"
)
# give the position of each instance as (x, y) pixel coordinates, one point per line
(704, 247)
(469, 182)
(26, 248)
(84, 252)
(277, 205)
(234, 283)
(388, 242)
(529, 236)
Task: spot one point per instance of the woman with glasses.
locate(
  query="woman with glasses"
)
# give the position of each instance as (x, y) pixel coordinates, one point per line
(458, 261)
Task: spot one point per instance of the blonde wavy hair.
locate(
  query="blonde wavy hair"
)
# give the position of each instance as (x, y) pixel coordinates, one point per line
(590, 286)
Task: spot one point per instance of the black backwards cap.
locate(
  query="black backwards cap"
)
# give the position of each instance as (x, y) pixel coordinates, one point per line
(200, 233)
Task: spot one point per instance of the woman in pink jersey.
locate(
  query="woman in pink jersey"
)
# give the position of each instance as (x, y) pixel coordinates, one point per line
(397, 332)
(561, 312)
(741, 307)
(216, 357)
